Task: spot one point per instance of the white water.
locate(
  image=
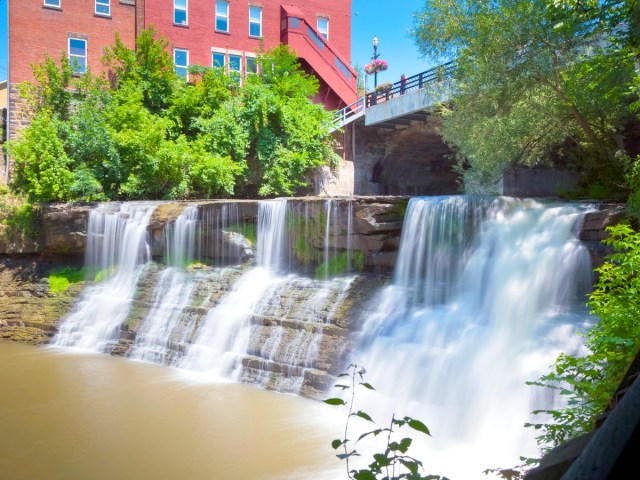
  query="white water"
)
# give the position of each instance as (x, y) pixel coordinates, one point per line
(173, 293)
(117, 248)
(245, 322)
(486, 293)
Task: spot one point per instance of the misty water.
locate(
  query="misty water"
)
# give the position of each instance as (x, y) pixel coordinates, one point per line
(486, 292)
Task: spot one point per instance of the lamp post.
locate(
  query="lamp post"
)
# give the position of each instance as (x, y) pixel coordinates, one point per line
(375, 57)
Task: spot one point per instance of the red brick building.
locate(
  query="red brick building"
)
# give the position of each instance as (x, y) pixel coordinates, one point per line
(229, 33)
(202, 32)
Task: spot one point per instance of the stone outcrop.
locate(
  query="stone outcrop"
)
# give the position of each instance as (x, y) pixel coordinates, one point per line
(29, 311)
(594, 230)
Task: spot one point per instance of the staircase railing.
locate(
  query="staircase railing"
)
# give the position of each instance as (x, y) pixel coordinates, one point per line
(348, 114)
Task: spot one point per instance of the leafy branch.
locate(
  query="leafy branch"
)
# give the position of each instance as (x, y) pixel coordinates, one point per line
(393, 463)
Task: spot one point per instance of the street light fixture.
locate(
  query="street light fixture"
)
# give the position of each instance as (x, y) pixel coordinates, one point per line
(375, 57)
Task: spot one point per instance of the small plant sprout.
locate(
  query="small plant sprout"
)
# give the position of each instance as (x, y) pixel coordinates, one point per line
(391, 464)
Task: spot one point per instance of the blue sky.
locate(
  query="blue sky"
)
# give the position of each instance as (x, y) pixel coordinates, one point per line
(368, 18)
(390, 22)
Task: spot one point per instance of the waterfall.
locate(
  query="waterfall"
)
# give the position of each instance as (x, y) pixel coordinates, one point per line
(117, 249)
(182, 237)
(260, 332)
(164, 325)
(486, 293)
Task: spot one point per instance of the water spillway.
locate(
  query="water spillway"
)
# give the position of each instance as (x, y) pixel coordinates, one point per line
(285, 293)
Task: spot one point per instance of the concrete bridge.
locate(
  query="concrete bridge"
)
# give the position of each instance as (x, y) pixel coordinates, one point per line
(390, 145)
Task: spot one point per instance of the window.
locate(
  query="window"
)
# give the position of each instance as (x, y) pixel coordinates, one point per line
(255, 21)
(52, 3)
(180, 11)
(103, 7)
(323, 27)
(217, 59)
(181, 61)
(78, 55)
(222, 15)
(235, 62)
(251, 66)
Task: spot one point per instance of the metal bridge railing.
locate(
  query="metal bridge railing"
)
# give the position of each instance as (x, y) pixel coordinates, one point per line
(358, 108)
(415, 82)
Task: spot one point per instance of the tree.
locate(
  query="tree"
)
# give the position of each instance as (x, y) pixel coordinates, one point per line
(41, 164)
(533, 79)
(142, 132)
(282, 148)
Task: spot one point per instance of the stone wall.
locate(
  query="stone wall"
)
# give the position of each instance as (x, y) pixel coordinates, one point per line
(538, 182)
(403, 161)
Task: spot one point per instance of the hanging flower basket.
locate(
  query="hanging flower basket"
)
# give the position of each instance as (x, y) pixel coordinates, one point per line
(384, 87)
(376, 66)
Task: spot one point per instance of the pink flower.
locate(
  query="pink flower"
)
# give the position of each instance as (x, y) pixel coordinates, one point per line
(376, 66)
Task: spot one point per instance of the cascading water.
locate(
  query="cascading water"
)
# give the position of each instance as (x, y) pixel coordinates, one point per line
(243, 337)
(116, 248)
(173, 294)
(222, 340)
(486, 293)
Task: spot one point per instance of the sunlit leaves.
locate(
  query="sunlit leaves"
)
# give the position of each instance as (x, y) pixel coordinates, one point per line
(392, 463)
(144, 132)
(534, 78)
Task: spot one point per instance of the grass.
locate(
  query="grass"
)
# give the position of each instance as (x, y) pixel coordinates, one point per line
(340, 264)
(61, 278)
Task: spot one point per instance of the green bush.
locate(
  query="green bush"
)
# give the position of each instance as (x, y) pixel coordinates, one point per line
(61, 278)
(41, 163)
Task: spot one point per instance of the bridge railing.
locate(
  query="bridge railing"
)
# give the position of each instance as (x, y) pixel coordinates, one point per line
(415, 82)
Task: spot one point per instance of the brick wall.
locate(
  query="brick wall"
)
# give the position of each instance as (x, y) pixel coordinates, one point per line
(36, 31)
(199, 35)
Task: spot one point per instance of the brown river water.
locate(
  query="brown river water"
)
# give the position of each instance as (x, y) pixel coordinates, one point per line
(75, 416)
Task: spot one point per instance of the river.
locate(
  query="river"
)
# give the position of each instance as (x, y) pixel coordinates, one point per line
(90, 416)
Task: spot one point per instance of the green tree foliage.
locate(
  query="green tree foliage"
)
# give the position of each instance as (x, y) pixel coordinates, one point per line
(588, 382)
(143, 132)
(51, 88)
(41, 164)
(534, 77)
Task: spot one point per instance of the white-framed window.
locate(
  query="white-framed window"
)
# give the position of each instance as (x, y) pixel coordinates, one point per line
(218, 59)
(323, 27)
(180, 12)
(103, 7)
(222, 15)
(181, 61)
(52, 3)
(255, 21)
(235, 67)
(78, 55)
(251, 65)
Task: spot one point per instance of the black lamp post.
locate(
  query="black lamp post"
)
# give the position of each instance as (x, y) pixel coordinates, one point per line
(375, 57)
